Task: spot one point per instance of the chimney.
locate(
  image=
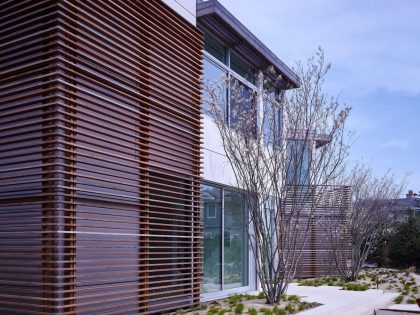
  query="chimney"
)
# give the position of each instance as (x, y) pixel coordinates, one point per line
(409, 195)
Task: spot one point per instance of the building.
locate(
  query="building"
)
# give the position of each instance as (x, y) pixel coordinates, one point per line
(401, 207)
(115, 194)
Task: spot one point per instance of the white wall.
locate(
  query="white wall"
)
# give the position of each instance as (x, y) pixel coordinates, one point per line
(216, 165)
(185, 8)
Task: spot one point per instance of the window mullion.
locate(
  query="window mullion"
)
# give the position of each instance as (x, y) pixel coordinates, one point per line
(223, 240)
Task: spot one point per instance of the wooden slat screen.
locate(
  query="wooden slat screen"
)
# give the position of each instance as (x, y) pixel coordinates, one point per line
(100, 137)
(316, 259)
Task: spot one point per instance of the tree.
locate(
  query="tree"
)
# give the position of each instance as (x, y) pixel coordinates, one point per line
(404, 244)
(284, 149)
(355, 234)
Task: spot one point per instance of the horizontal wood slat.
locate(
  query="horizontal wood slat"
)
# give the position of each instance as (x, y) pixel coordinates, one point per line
(100, 158)
(316, 259)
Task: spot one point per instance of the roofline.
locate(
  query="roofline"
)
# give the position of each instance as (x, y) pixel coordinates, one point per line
(209, 7)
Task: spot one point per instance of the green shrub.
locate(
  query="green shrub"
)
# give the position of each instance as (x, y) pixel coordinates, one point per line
(239, 308)
(196, 313)
(293, 298)
(290, 308)
(234, 299)
(399, 299)
(266, 311)
(411, 301)
(214, 310)
(303, 306)
(261, 295)
(278, 310)
(250, 297)
(355, 287)
(252, 311)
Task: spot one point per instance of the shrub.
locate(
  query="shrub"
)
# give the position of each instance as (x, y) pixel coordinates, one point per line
(278, 310)
(203, 306)
(239, 308)
(355, 287)
(261, 295)
(252, 311)
(399, 299)
(214, 310)
(411, 301)
(303, 306)
(250, 297)
(293, 298)
(290, 308)
(266, 311)
(234, 299)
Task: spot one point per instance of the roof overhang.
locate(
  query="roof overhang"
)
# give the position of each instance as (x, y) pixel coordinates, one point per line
(216, 19)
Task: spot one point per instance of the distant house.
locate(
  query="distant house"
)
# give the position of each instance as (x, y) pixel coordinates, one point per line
(402, 207)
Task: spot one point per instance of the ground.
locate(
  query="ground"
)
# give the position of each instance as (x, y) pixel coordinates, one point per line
(251, 304)
(402, 282)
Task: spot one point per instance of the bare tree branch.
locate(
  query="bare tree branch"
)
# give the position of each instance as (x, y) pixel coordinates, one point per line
(284, 151)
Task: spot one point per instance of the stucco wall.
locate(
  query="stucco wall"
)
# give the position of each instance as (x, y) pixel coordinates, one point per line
(186, 8)
(216, 165)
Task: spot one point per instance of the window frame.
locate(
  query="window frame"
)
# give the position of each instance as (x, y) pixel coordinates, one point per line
(230, 74)
(251, 276)
(213, 208)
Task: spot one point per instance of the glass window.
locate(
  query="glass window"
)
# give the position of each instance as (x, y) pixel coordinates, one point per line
(215, 48)
(235, 241)
(230, 239)
(271, 124)
(299, 155)
(242, 68)
(242, 106)
(211, 211)
(212, 269)
(213, 79)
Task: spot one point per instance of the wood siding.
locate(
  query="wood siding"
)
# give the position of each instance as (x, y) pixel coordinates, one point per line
(100, 139)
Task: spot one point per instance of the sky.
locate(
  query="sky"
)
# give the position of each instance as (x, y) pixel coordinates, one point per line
(374, 50)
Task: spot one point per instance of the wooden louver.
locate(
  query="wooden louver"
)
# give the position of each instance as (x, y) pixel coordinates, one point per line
(317, 258)
(100, 135)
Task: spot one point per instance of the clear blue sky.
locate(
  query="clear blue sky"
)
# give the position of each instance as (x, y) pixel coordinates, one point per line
(374, 48)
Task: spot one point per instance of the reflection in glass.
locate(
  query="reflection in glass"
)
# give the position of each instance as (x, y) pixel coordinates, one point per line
(235, 241)
(242, 68)
(215, 48)
(213, 79)
(299, 155)
(242, 108)
(212, 218)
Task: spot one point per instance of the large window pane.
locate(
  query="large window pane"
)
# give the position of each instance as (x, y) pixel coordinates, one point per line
(213, 79)
(215, 48)
(235, 241)
(212, 218)
(298, 157)
(242, 113)
(242, 68)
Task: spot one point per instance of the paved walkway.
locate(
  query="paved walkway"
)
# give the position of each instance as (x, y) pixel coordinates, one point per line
(340, 302)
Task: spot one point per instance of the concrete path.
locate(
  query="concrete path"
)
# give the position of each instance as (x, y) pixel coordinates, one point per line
(405, 307)
(340, 302)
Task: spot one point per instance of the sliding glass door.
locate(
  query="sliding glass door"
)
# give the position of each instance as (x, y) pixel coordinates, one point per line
(225, 240)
